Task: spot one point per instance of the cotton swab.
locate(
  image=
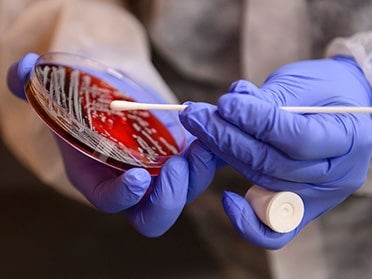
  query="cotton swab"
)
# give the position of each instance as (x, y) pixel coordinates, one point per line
(125, 105)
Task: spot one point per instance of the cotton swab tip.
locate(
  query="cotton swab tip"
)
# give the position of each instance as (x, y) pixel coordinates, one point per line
(126, 105)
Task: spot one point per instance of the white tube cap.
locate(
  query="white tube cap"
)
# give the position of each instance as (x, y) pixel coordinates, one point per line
(281, 211)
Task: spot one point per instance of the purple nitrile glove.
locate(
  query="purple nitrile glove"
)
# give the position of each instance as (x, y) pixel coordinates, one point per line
(321, 157)
(152, 204)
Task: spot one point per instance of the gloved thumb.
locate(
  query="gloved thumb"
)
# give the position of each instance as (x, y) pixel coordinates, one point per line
(248, 88)
(246, 222)
(243, 87)
(18, 74)
(121, 193)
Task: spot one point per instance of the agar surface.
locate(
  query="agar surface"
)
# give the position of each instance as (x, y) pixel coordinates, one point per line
(80, 103)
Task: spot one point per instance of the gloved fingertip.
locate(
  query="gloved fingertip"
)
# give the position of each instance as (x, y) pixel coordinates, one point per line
(227, 104)
(15, 85)
(18, 74)
(202, 169)
(176, 166)
(120, 193)
(160, 210)
(195, 115)
(170, 188)
(242, 87)
(187, 103)
(198, 151)
(228, 195)
(137, 180)
(241, 214)
(233, 86)
(245, 221)
(183, 113)
(26, 64)
(233, 203)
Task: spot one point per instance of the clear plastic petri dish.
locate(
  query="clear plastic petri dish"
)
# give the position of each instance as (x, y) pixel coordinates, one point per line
(72, 95)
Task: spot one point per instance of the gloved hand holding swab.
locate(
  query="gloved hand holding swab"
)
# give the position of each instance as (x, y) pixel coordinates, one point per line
(281, 211)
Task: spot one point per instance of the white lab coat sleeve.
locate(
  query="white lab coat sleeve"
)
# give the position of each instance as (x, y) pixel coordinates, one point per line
(360, 47)
(100, 29)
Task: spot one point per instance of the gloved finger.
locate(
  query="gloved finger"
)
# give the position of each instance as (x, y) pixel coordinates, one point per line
(270, 92)
(18, 74)
(155, 214)
(243, 151)
(202, 165)
(312, 136)
(245, 221)
(291, 84)
(244, 87)
(106, 188)
(317, 198)
(115, 195)
(312, 196)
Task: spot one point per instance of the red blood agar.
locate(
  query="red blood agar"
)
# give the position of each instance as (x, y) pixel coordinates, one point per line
(76, 105)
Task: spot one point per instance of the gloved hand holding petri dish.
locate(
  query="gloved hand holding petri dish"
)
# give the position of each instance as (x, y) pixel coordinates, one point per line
(72, 95)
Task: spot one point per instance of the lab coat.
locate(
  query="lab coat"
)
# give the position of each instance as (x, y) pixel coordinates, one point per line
(199, 49)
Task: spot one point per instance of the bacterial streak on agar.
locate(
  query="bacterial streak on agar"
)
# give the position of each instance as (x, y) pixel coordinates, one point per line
(80, 104)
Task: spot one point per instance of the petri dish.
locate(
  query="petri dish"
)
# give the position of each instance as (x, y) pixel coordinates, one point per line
(72, 95)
